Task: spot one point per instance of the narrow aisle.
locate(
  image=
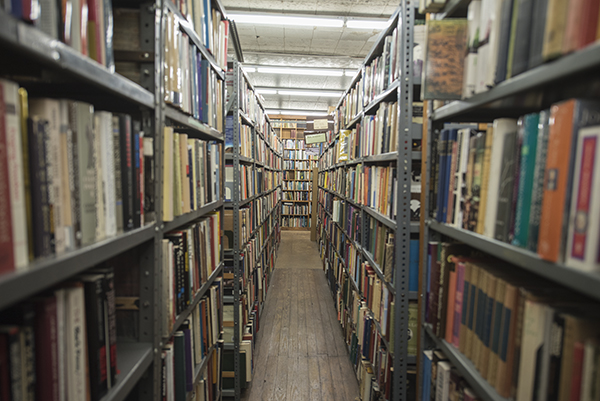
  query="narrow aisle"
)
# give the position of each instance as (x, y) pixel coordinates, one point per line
(300, 353)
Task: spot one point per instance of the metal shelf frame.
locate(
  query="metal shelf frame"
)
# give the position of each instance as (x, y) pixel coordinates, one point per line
(236, 203)
(139, 359)
(402, 90)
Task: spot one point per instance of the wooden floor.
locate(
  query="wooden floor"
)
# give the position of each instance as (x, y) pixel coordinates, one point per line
(300, 354)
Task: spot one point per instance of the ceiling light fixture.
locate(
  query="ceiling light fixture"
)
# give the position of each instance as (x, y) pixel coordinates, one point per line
(300, 71)
(367, 24)
(286, 92)
(279, 19)
(266, 91)
(297, 112)
(299, 92)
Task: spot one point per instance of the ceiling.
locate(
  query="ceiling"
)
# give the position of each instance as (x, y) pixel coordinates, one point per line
(299, 46)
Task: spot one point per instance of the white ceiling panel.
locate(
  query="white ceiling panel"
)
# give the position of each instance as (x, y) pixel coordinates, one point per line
(317, 47)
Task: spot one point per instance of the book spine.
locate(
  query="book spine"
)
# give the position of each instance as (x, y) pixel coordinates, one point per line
(86, 151)
(126, 152)
(7, 256)
(46, 333)
(13, 136)
(135, 173)
(94, 317)
(118, 178)
(39, 185)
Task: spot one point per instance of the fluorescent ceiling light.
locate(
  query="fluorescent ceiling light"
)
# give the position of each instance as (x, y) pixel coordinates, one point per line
(265, 91)
(298, 112)
(300, 71)
(299, 92)
(274, 19)
(287, 92)
(367, 24)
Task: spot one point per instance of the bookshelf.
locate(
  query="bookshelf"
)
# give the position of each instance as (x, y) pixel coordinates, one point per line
(367, 233)
(548, 85)
(252, 225)
(297, 185)
(130, 257)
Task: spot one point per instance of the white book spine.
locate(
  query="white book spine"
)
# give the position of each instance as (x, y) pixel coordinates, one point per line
(100, 194)
(76, 345)
(587, 379)
(584, 216)
(15, 173)
(443, 381)
(49, 110)
(108, 174)
(502, 126)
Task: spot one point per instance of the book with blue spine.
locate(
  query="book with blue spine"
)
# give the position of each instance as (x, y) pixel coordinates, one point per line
(537, 190)
(527, 166)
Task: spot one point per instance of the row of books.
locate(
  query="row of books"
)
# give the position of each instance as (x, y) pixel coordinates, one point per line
(297, 175)
(190, 82)
(191, 173)
(300, 154)
(250, 216)
(266, 155)
(295, 144)
(376, 78)
(296, 208)
(295, 222)
(516, 37)
(296, 196)
(70, 176)
(332, 180)
(87, 28)
(207, 385)
(441, 381)
(373, 186)
(190, 346)
(252, 181)
(526, 182)
(378, 134)
(210, 26)
(298, 165)
(366, 316)
(300, 185)
(244, 140)
(383, 70)
(246, 181)
(63, 343)
(190, 256)
(525, 336)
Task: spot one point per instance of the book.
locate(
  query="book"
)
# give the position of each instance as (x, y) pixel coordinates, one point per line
(502, 129)
(13, 137)
(537, 189)
(443, 74)
(566, 119)
(523, 34)
(530, 132)
(485, 177)
(556, 21)
(7, 250)
(582, 224)
(42, 228)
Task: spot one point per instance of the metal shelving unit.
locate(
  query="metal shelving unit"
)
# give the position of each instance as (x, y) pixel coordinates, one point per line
(402, 91)
(533, 90)
(236, 203)
(66, 72)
